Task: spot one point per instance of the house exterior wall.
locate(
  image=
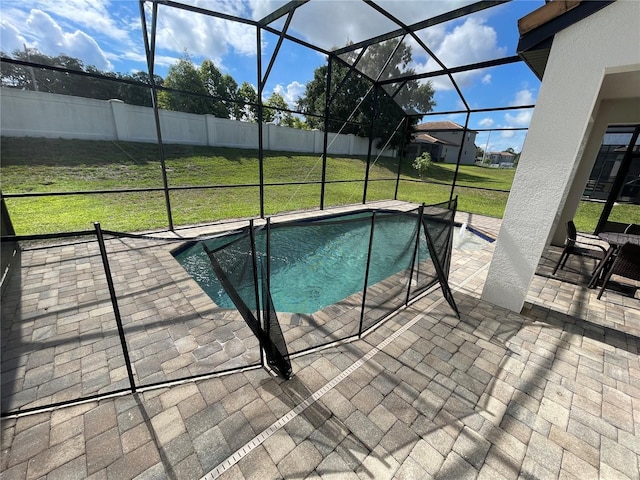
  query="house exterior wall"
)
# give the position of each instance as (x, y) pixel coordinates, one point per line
(449, 153)
(501, 158)
(581, 56)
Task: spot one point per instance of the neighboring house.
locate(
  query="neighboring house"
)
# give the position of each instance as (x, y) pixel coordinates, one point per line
(504, 159)
(443, 140)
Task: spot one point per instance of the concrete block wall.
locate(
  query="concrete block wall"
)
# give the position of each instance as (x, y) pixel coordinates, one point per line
(41, 114)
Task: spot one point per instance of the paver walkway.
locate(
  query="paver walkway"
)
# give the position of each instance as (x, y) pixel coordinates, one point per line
(553, 392)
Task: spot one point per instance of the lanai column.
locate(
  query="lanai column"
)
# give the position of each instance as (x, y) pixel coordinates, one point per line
(581, 57)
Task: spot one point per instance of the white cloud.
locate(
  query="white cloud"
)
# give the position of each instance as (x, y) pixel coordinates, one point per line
(473, 41)
(91, 15)
(486, 122)
(524, 97)
(52, 40)
(333, 23)
(486, 80)
(10, 38)
(520, 119)
(261, 8)
(470, 42)
(203, 36)
(291, 92)
(140, 58)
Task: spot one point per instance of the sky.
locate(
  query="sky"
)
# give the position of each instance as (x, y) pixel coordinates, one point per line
(108, 35)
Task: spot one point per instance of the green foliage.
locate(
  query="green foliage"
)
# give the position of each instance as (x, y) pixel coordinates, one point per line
(185, 76)
(222, 87)
(26, 78)
(422, 163)
(297, 122)
(357, 102)
(275, 111)
(248, 95)
(53, 165)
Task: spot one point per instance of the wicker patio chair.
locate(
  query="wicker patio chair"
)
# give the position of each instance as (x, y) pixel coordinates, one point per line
(580, 245)
(633, 228)
(626, 264)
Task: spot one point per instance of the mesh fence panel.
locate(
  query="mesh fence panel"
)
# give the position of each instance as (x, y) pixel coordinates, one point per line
(235, 261)
(437, 227)
(237, 265)
(317, 278)
(308, 278)
(424, 272)
(59, 338)
(276, 347)
(439, 219)
(438, 223)
(392, 252)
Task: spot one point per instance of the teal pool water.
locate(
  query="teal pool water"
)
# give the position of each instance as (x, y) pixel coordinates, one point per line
(318, 264)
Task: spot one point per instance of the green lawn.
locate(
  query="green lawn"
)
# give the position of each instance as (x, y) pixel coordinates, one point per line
(34, 165)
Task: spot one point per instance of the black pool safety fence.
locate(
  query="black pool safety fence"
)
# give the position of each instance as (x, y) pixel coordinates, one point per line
(274, 270)
(124, 333)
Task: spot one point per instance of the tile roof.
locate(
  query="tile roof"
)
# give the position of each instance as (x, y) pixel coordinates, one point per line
(446, 125)
(426, 138)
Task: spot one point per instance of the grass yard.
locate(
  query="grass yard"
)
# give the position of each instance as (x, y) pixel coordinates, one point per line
(36, 165)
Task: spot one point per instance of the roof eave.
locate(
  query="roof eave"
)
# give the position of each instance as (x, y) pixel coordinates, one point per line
(538, 29)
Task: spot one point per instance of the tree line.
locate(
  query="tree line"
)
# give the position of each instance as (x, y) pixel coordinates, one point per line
(355, 107)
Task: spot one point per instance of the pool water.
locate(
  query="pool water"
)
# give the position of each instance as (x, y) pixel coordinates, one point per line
(319, 264)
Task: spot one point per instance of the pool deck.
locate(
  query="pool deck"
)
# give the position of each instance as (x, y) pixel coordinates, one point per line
(552, 392)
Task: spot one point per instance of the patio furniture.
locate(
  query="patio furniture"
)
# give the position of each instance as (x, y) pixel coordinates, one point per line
(615, 241)
(633, 228)
(578, 244)
(626, 264)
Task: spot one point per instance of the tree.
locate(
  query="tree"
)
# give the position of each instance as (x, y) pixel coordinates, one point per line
(223, 87)
(64, 83)
(297, 122)
(249, 107)
(356, 100)
(185, 76)
(278, 114)
(135, 95)
(46, 80)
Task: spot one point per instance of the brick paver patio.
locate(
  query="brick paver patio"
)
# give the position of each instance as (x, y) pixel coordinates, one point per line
(553, 392)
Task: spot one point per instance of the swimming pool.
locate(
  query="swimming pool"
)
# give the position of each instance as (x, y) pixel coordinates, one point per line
(314, 264)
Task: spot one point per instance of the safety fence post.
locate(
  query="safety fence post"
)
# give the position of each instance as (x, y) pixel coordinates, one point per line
(366, 273)
(268, 267)
(114, 303)
(415, 253)
(254, 261)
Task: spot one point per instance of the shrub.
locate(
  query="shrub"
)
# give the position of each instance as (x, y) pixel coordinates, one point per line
(422, 163)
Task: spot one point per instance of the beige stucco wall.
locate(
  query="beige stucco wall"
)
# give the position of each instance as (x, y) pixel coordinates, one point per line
(562, 124)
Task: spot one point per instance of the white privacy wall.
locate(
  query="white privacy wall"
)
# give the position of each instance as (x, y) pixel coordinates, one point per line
(27, 113)
(40, 114)
(581, 57)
